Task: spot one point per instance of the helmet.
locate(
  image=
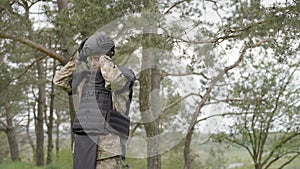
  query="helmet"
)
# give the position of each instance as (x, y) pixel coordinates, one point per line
(98, 43)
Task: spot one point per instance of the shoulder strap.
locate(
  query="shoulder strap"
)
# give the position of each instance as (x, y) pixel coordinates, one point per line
(77, 78)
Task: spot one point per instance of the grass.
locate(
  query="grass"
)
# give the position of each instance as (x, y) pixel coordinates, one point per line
(64, 161)
(209, 156)
(19, 165)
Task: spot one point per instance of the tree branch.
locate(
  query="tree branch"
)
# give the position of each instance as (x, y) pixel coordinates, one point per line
(243, 145)
(129, 55)
(184, 74)
(27, 68)
(36, 46)
(281, 90)
(282, 142)
(216, 79)
(174, 5)
(179, 100)
(227, 34)
(3, 127)
(202, 103)
(218, 115)
(289, 161)
(282, 155)
(255, 100)
(209, 89)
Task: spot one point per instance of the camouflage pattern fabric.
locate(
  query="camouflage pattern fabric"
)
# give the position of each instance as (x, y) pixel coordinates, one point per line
(63, 77)
(108, 145)
(115, 163)
(114, 80)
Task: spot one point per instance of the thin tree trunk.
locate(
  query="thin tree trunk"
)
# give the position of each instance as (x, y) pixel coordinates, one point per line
(11, 136)
(187, 144)
(40, 116)
(35, 126)
(62, 5)
(187, 162)
(57, 134)
(149, 92)
(149, 103)
(155, 161)
(50, 120)
(28, 133)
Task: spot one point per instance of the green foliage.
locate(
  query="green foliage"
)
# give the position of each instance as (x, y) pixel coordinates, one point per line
(204, 45)
(19, 165)
(65, 158)
(264, 99)
(64, 161)
(136, 163)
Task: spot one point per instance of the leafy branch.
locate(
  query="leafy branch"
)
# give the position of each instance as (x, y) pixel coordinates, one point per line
(36, 46)
(174, 5)
(206, 97)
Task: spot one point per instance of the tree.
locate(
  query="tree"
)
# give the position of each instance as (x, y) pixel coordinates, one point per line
(266, 97)
(195, 38)
(265, 94)
(235, 28)
(8, 117)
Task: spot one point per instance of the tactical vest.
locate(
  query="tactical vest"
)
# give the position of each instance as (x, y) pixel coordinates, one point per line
(95, 114)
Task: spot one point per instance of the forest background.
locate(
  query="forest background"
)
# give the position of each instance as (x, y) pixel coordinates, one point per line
(217, 81)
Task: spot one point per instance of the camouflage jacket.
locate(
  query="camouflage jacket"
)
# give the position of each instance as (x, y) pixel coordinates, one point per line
(114, 80)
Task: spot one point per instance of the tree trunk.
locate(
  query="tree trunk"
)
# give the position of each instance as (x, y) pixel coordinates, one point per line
(202, 103)
(62, 5)
(153, 131)
(57, 134)
(50, 120)
(40, 115)
(149, 92)
(11, 136)
(13, 144)
(258, 166)
(28, 132)
(35, 125)
(187, 144)
(149, 102)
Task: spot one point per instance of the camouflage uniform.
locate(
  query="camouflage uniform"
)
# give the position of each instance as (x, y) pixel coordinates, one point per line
(109, 145)
(114, 80)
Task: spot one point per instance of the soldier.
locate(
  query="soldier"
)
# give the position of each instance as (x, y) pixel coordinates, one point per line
(101, 124)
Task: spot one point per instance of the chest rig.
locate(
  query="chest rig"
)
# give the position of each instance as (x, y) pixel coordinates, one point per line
(95, 114)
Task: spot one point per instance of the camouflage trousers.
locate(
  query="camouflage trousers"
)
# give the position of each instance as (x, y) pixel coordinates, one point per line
(111, 163)
(100, 152)
(108, 153)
